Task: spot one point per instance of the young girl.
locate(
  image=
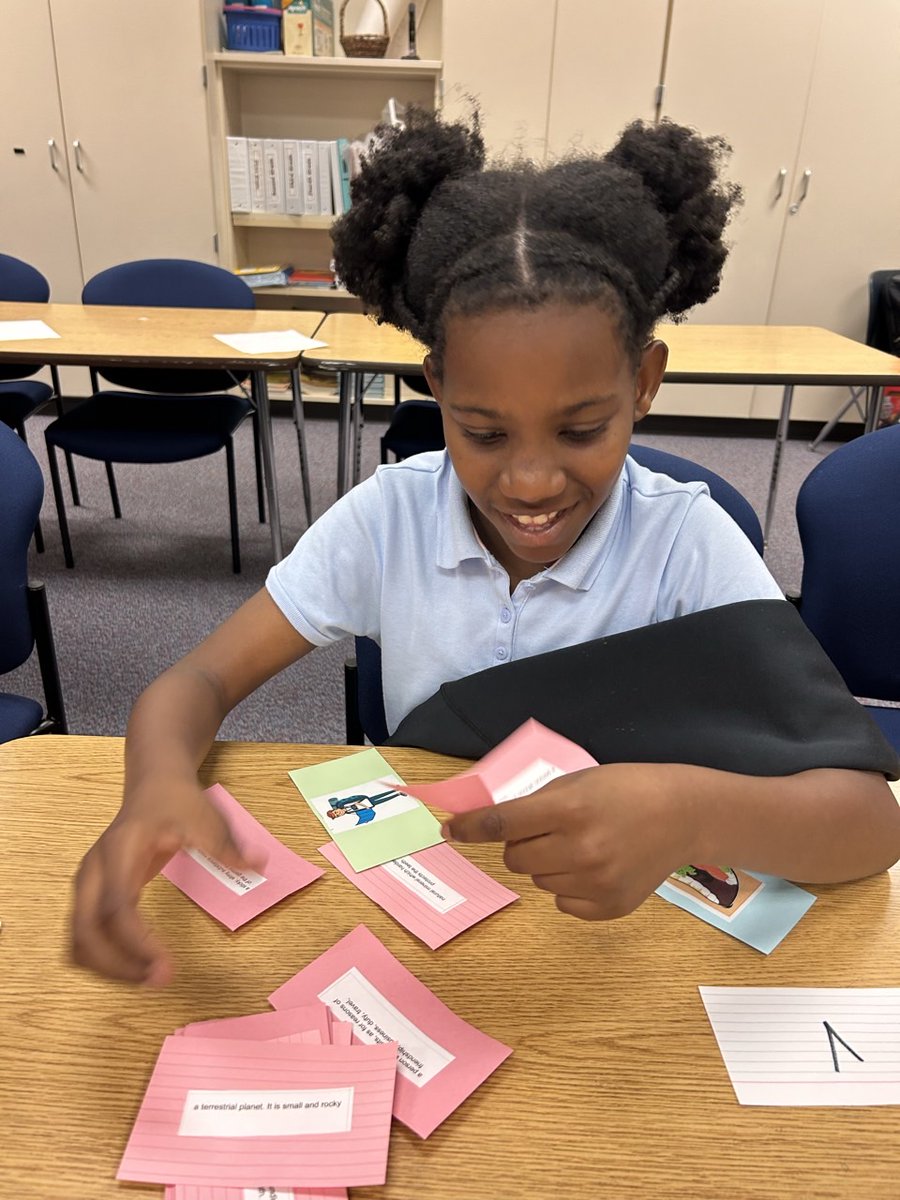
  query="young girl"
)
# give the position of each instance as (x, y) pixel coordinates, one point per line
(537, 292)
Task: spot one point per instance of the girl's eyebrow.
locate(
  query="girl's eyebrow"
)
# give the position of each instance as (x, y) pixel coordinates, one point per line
(490, 414)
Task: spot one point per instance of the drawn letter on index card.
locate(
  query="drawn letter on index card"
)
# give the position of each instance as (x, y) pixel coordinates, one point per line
(818, 1047)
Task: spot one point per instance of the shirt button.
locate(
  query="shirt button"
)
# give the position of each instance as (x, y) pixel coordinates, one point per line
(501, 653)
(505, 614)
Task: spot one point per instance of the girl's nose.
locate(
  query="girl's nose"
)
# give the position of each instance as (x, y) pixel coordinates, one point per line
(531, 479)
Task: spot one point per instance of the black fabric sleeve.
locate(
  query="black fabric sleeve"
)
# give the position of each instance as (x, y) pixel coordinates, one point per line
(744, 687)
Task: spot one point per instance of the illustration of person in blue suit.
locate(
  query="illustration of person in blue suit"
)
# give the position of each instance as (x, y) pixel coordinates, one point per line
(363, 806)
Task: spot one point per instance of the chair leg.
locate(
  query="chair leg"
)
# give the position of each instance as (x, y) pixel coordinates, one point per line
(113, 491)
(232, 508)
(257, 462)
(70, 464)
(60, 505)
(38, 533)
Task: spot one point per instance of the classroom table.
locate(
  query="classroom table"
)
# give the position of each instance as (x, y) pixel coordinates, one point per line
(106, 336)
(787, 355)
(615, 1086)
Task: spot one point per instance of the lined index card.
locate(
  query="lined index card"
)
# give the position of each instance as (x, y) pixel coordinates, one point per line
(822, 1047)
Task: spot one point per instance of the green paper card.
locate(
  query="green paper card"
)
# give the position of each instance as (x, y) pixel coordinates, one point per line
(369, 822)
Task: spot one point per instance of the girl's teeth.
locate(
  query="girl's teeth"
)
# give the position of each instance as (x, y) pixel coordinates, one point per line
(543, 519)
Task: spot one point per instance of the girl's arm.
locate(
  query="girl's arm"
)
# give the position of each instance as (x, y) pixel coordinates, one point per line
(603, 839)
(171, 728)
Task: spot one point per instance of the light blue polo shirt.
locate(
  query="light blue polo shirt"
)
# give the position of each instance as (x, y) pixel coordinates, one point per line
(397, 559)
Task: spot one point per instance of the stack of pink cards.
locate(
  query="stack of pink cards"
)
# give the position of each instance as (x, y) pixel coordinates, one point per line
(522, 763)
(301, 1098)
(441, 1059)
(234, 897)
(271, 1096)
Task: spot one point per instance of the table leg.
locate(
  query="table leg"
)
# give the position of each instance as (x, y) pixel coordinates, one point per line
(359, 391)
(267, 445)
(345, 401)
(874, 400)
(300, 422)
(780, 438)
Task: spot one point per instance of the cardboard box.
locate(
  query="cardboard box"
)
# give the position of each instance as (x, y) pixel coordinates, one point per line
(323, 28)
(307, 27)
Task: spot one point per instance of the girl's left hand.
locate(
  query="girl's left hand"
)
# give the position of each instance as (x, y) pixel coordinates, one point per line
(600, 840)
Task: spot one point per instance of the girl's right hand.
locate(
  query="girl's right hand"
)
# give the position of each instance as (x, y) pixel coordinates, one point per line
(157, 818)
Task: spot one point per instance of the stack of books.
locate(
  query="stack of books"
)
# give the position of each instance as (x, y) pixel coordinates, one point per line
(289, 175)
(266, 276)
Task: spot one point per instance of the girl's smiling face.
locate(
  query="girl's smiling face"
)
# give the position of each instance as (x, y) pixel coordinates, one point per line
(538, 408)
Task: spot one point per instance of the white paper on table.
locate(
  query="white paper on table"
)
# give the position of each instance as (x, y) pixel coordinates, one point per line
(268, 343)
(25, 331)
(817, 1047)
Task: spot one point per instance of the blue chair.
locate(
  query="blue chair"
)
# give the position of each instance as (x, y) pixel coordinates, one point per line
(170, 416)
(363, 695)
(20, 395)
(415, 426)
(848, 518)
(877, 336)
(24, 616)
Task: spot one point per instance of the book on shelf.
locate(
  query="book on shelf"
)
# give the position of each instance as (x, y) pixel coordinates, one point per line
(309, 277)
(288, 175)
(266, 276)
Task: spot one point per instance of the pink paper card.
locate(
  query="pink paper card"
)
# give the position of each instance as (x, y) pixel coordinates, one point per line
(228, 1113)
(288, 1023)
(441, 1059)
(182, 1191)
(234, 897)
(520, 765)
(435, 894)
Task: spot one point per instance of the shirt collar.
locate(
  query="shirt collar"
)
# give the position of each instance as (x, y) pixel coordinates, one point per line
(457, 540)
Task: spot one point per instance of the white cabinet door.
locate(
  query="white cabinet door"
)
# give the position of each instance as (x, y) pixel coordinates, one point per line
(742, 70)
(36, 217)
(606, 65)
(131, 84)
(499, 54)
(849, 223)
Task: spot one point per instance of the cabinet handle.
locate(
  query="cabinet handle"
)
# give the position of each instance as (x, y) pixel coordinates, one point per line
(782, 177)
(51, 146)
(804, 188)
(79, 165)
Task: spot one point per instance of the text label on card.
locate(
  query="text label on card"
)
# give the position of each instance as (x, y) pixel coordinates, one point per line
(266, 1113)
(375, 1020)
(424, 884)
(238, 882)
(267, 1193)
(530, 780)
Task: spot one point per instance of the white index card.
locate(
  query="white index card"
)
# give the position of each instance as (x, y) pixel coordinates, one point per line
(25, 331)
(808, 1047)
(275, 342)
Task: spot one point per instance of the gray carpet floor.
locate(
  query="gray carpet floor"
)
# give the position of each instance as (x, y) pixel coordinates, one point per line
(147, 588)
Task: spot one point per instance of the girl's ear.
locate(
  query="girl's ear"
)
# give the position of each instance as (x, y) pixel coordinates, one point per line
(649, 376)
(432, 377)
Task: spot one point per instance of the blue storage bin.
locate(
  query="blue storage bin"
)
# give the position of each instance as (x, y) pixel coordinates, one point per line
(250, 27)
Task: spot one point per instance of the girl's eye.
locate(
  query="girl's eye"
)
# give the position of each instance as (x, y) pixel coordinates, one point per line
(484, 437)
(584, 435)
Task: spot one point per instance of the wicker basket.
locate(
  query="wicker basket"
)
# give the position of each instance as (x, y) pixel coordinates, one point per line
(365, 45)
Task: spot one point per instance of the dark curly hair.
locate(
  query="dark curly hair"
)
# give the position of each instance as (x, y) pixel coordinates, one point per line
(432, 232)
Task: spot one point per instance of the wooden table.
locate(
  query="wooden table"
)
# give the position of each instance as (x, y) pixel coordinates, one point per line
(615, 1087)
(788, 355)
(106, 336)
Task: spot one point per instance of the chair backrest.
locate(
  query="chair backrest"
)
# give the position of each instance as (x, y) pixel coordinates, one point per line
(175, 283)
(21, 493)
(370, 695)
(725, 494)
(20, 281)
(848, 518)
(877, 330)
